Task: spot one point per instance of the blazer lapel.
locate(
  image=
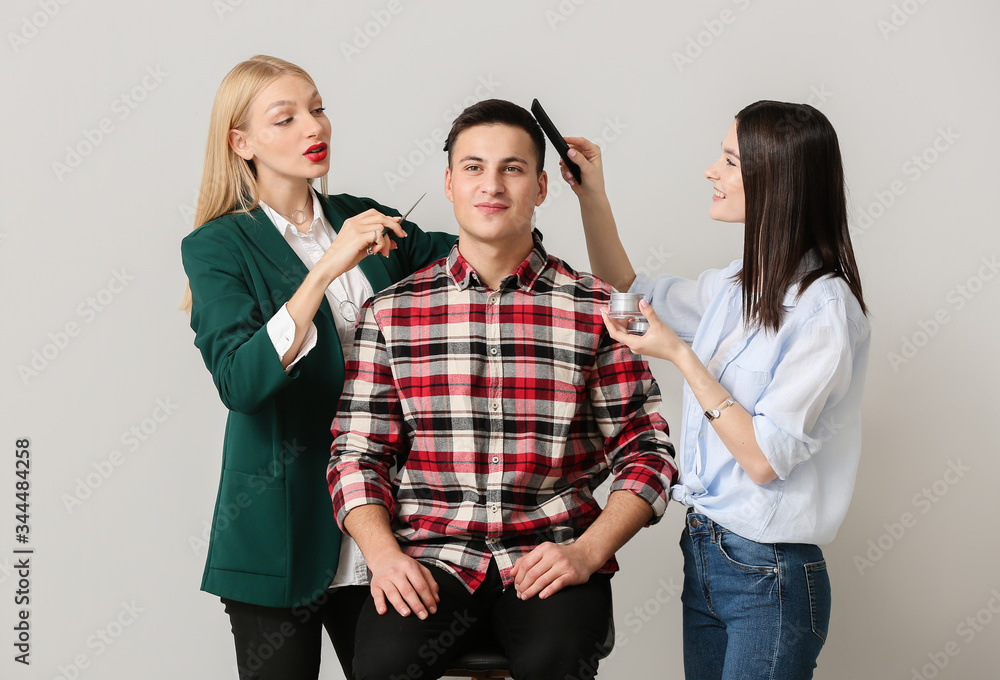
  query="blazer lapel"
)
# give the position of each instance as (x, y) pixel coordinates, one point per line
(263, 234)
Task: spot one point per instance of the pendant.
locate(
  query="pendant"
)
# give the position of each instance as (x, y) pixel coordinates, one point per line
(301, 216)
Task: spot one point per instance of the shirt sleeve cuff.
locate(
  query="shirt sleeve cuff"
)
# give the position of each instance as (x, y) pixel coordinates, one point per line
(649, 485)
(783, 453)
(281, 330)
(359, 499)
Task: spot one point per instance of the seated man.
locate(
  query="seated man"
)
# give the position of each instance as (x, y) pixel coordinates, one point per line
(491, 374)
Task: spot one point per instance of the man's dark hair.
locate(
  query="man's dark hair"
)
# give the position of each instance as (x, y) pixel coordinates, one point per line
(498, 112)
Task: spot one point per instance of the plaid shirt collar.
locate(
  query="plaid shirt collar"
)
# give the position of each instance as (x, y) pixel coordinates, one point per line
(525, 275)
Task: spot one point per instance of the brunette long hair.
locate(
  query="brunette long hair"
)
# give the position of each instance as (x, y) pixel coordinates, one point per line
(793, 179)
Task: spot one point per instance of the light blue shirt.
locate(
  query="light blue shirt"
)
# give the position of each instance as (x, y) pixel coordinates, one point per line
(803, 387)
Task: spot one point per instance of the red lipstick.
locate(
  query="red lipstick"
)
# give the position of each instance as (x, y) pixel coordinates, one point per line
(316, 153)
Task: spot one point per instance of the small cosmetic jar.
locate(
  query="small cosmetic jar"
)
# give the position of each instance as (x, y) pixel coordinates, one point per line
(625, 307)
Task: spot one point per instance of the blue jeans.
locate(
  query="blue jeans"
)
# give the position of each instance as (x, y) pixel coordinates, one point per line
(751, 610)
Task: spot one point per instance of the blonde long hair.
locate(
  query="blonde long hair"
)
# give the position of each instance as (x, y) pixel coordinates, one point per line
(228, 182)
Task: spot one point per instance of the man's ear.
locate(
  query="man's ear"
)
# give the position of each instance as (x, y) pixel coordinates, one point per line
(238, 143)
(447, 185)
(543, 188)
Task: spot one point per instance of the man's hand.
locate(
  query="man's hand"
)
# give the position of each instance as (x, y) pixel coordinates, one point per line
(397, 577)
(405, 583)
(549, 568)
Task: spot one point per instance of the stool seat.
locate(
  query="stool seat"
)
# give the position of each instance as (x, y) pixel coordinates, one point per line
(483, 660)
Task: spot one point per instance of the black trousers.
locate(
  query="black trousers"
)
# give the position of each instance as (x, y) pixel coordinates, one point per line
(284, 644)
(562, 636)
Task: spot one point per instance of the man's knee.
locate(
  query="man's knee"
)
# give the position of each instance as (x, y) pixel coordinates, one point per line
(415, 651)
(559, 662)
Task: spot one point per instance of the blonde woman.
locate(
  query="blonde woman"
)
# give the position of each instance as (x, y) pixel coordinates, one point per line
(277, 274)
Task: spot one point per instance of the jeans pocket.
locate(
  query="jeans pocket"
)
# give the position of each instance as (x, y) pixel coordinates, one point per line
(747, 555)
(818, 582)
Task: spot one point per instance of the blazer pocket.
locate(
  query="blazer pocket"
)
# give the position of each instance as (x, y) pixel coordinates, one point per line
(250, 531)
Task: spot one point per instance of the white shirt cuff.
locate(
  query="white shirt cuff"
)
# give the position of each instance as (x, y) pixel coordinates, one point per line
(281, 330)
(351, 569)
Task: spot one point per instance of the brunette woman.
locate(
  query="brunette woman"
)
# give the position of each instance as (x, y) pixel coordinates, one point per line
(773, 378)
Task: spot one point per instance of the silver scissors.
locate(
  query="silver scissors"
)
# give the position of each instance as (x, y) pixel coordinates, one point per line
(407, 213)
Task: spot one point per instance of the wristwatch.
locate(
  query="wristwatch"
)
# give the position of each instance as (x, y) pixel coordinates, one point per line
(717, 411)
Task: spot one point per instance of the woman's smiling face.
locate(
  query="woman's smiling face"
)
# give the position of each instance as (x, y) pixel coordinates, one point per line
(726, 176)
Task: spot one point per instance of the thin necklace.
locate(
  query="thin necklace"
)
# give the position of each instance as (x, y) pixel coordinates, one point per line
(301, 213)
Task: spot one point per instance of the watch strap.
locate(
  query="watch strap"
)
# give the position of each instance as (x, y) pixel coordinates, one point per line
(717, 411)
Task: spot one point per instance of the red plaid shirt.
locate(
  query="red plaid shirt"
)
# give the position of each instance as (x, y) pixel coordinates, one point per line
(509, 408)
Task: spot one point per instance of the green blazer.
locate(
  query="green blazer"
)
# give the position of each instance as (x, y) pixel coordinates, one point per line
(274, 538)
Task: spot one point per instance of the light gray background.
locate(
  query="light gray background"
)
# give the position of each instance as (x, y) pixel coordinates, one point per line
(601, 68)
